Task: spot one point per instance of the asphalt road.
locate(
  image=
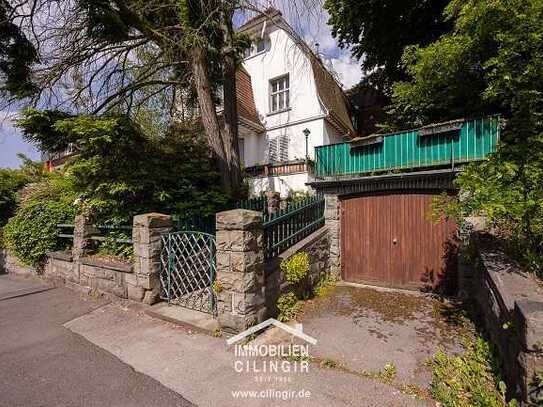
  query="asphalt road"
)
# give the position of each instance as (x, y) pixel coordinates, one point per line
(44, 364)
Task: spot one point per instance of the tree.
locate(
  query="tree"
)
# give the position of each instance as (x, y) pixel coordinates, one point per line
(492, 61)
(377, 31)
(120, 172)
(101, 56)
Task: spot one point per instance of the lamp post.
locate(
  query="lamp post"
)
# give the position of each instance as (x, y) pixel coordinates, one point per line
(306, 134)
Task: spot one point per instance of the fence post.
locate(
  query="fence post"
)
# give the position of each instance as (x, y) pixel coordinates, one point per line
(333, 222)
(144, 283)
(82, 243)
(273, 202)
(240, 270)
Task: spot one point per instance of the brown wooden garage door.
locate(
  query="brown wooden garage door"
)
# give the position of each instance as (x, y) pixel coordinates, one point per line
(387, 240)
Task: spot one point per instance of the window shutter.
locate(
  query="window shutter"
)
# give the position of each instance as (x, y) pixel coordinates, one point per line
(272, 149)
(283, 148)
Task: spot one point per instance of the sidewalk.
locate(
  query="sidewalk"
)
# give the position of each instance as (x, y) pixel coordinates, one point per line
(201, 367)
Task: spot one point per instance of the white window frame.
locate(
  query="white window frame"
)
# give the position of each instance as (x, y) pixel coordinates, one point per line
(285, 92)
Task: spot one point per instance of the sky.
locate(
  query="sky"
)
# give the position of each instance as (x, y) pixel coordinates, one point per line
(310, 26)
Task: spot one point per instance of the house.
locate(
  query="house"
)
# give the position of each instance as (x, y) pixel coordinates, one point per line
(288, 104)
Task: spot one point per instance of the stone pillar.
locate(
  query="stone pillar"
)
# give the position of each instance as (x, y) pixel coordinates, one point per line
(240, 270)
(274, 202)
(144, 284)
(333, 222)
(83, 230)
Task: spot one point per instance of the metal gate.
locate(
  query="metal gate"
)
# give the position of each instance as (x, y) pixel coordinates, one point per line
(188, 270)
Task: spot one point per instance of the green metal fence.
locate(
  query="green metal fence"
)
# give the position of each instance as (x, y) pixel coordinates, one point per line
(287, 227)
(475, 140)
(205, 224)
(102, 232)
(256, 204)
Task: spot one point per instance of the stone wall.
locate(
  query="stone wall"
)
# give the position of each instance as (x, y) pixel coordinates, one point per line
(318, 246)
(136, 281)
(10, 264)
(510, 304)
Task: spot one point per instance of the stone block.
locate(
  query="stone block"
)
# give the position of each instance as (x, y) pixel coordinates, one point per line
(148, 249)
(145, 265)
(239, 240)
(528, 318)
(135, 293)
(152, 296)
(131, 279)
(232, 323)
(246, 262)
(153, 220)
(239, 219)
(240, 282)
(224, 301)
(247, 303)
(145, 235)
(110, 287)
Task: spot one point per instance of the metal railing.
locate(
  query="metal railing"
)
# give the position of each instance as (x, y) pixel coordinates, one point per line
(445, 144)
(256, 204)
(287, 227)
(103, 231)
(205, 224)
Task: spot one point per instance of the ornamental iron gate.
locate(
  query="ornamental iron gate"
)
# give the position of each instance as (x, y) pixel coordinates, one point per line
(188, 270)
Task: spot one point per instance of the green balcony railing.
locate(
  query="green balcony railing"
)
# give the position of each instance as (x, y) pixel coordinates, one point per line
(445, 144)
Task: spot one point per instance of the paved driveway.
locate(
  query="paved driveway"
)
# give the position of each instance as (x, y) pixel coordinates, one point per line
(362, 330)
(44, 364)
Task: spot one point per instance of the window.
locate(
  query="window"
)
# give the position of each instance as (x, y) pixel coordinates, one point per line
(279, 94)
(257, 46)
(278, 148)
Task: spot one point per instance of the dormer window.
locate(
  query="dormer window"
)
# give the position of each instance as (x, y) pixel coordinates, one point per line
(258, 46)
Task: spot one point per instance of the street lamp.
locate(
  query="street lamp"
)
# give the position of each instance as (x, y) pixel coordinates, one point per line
(306, 134)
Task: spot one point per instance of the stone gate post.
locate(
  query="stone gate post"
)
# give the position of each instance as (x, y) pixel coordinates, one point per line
(333, 222)
(144, 284)
(240, 270)
(82, 243)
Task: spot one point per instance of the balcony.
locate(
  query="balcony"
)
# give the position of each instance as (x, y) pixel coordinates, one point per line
(440, 145)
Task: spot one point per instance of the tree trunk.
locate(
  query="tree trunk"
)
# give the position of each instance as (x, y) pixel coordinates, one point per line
(230, 134)
(209, 117)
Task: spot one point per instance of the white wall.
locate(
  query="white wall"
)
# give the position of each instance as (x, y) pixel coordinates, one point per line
(284, 184)
(282, 57)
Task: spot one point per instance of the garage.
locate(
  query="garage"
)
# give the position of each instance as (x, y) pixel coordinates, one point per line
(388, 240)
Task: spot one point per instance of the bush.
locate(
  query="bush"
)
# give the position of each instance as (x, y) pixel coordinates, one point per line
(10, 183)
(288, 306)
(296, 267)
(468, 380)
(33, 232)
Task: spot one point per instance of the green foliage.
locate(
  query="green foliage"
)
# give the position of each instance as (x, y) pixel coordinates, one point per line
(470, 379)
(296, 267)
(119, 171)
(32, 232)
(10, 183)
(325, 284)
(17, 55)
(111, 246)
(491, 62)
(376, 31)
(288, 306)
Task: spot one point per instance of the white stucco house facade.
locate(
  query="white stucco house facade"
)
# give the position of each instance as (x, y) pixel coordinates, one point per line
(283, 89)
